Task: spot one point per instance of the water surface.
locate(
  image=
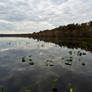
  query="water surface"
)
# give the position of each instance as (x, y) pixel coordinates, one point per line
(50, 62)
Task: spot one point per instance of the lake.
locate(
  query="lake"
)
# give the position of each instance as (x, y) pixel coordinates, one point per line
(45, 65)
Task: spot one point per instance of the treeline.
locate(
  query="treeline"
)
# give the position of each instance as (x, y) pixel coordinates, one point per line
(15, 35)
(71, 30)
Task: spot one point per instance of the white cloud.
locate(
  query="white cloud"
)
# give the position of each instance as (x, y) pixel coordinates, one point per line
(2, 4)
(32, 26)
(35, 15)
(24, 26)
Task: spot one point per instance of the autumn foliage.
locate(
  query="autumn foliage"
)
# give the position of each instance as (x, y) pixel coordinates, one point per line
(71, 30)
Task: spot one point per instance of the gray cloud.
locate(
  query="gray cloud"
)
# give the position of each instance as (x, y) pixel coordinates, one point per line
(59, 1)
(44, 14)
(6, 26)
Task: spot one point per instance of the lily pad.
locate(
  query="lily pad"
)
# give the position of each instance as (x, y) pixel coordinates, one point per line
(31, 63)
(27, 91)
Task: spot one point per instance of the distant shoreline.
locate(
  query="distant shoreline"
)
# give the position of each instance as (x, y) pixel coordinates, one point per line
(15, 35)
(70, 31)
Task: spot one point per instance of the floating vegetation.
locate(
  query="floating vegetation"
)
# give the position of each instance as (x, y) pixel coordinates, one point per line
(1, 89)
(23, 59)
(27, 90)
(30, 59)
(54, 81)
(70, 59)
(70, 52)
(30, 55)
(49, 63)
(79, 53)
(31, 63)
(68, 63)
(54, 89)
(83, 63)
(84, 53)
(71, 90)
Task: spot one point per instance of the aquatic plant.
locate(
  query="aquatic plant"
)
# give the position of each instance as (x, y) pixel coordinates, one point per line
(49, 63)
(68, 63)
(54, 89)
(84, 53)
(83, 63)
(30, 55)
(30, 59)
(70, 59)
(79, 53)
(54, 81)
(23, 59)
(27, 90)
(71, 90)
(70, 52)
(31, 63)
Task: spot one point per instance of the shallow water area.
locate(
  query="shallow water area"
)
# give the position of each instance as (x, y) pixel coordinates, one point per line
(27, 63)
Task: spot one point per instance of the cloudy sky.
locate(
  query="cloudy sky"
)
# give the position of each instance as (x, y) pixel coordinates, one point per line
(27, 16)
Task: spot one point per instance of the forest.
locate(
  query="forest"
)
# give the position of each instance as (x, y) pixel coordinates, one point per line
(70, 30)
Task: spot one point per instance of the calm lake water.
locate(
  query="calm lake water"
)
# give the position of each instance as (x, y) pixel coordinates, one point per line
(28, 64)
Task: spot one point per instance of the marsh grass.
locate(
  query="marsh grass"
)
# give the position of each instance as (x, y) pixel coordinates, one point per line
(49, 61)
